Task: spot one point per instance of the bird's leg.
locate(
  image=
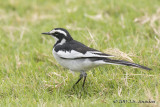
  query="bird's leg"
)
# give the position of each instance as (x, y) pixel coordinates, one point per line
(84, 75)
(81, 76)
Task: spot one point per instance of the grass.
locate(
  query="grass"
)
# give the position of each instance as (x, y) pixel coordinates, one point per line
(30, 76)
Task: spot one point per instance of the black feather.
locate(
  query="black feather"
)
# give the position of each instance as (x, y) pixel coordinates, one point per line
(121, 62)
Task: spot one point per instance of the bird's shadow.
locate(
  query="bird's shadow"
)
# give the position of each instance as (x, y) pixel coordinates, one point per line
(78, 91)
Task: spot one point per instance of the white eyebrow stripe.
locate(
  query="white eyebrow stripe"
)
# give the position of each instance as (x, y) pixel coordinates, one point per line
(60, 31)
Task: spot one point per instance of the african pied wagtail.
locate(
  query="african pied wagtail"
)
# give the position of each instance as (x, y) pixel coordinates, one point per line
(76, 56)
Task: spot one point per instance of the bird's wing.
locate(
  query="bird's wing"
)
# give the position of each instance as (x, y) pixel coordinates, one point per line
(75, 54)
(74, 50)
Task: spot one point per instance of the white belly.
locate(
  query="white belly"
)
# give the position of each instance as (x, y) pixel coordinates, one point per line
(74, 64)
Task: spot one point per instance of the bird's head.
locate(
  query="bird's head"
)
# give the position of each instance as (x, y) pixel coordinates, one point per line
(60, 34)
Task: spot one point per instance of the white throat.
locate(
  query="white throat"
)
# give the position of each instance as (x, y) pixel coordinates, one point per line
(55, 39)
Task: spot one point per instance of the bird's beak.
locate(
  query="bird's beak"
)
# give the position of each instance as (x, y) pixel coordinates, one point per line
(46, 33)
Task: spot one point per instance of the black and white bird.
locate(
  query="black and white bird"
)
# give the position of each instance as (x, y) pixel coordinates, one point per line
(76, 56)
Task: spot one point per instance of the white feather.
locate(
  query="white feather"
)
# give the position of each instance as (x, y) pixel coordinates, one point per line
(81, 64)
(101, 62)
(74, 64)
(60, 31)
(62, 42)
(74, 54)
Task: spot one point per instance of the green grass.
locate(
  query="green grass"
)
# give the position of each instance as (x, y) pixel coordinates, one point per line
(30, 76)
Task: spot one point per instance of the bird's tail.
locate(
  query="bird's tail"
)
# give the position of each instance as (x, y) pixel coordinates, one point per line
(122, 62)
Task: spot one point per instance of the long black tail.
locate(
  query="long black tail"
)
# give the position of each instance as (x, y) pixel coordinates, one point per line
(122, 62)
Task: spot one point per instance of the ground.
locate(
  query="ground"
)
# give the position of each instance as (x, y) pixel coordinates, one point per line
(29, 74)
